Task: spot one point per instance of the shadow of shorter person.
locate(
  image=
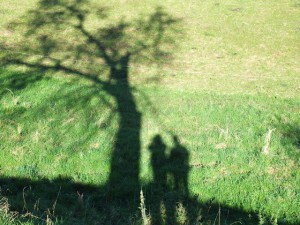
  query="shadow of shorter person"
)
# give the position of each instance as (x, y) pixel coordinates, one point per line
(159, 168)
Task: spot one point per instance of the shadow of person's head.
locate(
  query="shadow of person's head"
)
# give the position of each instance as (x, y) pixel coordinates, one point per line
(157, 144)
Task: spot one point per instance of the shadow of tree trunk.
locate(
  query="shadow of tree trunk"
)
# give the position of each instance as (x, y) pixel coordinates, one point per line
(124, 171)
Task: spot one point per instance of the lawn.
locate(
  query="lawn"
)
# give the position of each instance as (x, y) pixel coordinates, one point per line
(187, 126)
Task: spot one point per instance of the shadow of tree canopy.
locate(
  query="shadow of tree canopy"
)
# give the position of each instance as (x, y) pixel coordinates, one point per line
(62, 36)
(14, 81)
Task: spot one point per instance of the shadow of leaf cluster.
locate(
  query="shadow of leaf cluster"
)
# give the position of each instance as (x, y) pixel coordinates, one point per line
(11, 81)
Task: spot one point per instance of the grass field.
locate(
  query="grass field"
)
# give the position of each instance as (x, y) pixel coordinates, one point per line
(232, 77)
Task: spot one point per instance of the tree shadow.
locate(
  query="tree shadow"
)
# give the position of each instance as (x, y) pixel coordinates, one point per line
(11, 81)
(57, 37)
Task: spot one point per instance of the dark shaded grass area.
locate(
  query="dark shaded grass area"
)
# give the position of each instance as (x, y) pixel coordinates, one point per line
(291, 135)
(67, 202)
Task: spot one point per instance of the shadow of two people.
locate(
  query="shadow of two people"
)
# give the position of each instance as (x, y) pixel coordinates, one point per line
(170, 178)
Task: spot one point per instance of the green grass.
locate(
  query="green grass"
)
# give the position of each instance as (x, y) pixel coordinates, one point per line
(235, 74)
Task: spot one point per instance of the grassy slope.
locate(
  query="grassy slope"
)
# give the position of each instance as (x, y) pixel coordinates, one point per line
(234, 76)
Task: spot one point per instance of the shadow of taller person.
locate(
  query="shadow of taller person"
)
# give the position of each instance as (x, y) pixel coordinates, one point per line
(179, 167)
